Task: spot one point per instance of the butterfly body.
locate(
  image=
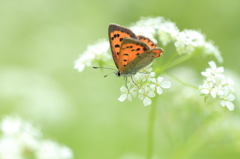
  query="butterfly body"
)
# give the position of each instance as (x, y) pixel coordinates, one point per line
(130, 53)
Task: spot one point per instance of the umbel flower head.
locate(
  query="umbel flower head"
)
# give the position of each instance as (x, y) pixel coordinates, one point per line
(217, 85)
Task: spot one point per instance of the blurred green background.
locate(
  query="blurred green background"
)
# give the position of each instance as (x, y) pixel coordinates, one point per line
(39, 42)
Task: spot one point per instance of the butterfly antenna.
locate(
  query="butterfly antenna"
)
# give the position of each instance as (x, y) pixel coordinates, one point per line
(108, 74)
(134, 82)
(105, 68)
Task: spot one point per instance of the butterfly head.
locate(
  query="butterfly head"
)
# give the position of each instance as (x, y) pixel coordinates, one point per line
(118, 73)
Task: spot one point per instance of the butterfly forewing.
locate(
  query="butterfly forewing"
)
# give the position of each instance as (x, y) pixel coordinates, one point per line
(142, 60)
(130, 50)
(116, 35)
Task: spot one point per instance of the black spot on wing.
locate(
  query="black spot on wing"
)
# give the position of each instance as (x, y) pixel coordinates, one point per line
(117, 45)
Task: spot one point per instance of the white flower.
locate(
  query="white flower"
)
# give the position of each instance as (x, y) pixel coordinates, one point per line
(144, 94)
(127, 94)
(217, 85)
(20, 138)
(159, 84)
(146, 31)
(207, 88)
(93, 54)
(53, 150)
(228, 84)
(167, 32)
(150, 22)
(214, 69)
(227, 100)
(188, 40)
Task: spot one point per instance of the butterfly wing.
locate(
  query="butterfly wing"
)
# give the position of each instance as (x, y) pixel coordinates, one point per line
(147, 41)
(130, 50)
(116, 35)
(143, 60)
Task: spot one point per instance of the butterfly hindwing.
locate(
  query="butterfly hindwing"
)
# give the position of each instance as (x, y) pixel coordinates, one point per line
(116, 36)
(130, 49)
(150, 43)
(143, 60)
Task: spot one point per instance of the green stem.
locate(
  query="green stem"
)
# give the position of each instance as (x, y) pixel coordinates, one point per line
(177, 61)
(151, 118)
(180, 81)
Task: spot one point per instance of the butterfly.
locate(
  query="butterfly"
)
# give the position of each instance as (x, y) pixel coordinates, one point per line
(130, 53)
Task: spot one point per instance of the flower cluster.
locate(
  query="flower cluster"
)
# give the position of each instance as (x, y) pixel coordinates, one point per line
(148, 85)
(187, 41)
(20, 139)
(218, 86)
(95, 54)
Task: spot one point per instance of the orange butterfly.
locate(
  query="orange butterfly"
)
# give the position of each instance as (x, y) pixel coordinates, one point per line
(130, 53)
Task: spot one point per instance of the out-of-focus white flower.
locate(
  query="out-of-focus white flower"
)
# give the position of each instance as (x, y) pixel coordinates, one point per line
(167, 32)
(144, 94)
(94, 54)
(20, 139)
(146, 31)
(159, 84)
(188, 40)
(210, 49)
(53, 150)
(217, 85)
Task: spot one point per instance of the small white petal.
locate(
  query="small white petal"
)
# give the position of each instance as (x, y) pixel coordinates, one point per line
(166, 84)
(147, 101)
(129, 97)
(212, 65)
(123, 89)
(213, 93)
(154, 80)
(159, 90)
(151, 94)
(230, 97)
(122, 97)
(220, 69)
(205, 91)
(230, 105)
(159, 79)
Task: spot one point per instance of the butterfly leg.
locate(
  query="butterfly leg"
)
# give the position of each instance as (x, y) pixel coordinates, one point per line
(134, 82)
(126, 82)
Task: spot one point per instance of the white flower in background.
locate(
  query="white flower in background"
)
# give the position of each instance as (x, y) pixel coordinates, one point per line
(146, 31)
(150, 22)
(52, 150)
(93, 54)
(144, 94)
(159, 84)
(210, 49)
(217, 85)
(188, 40)
(167, 32)
(19, 139)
